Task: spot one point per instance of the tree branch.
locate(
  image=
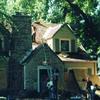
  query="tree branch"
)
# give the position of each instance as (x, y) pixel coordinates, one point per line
(4, 31)
(89, 25)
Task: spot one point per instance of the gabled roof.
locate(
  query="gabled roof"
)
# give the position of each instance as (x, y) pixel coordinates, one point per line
(46, 30)
(51, 31)
(33, 52)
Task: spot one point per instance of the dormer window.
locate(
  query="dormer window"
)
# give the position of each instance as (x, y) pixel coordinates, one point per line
(65, 45)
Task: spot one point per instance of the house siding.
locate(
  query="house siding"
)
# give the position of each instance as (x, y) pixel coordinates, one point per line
(31, 75)
(73, 46)
(37, 60)
(57, 46)
(50, 43)
(3, 78)
(64, 33)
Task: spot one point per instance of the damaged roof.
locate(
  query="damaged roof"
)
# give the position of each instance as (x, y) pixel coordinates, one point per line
(45, 31)
(51, 31)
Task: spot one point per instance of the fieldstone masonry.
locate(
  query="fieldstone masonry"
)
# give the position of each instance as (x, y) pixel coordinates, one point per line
(21, 37)
(21, 42)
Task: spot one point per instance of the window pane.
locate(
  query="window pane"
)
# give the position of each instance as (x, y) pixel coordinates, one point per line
(64, 45)
(0, 44)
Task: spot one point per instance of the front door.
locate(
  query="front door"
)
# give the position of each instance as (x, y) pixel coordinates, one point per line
(44, 74)
(43, 80)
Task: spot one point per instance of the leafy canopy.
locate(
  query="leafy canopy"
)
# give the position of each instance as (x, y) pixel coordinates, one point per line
(82, 15)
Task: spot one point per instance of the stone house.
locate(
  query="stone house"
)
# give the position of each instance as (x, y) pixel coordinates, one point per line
(62, 41)
(38, 65)
(28, 63)
(33, 54)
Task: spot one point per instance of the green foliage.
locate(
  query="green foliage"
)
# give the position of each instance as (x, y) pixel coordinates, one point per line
(82, 15)
(88, 6)
(84, 19)
(55, 11)
(3, 5)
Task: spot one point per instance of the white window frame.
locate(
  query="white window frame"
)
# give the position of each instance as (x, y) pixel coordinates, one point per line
(69, 44)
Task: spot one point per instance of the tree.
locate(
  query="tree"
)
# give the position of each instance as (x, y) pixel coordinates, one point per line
(38, 9)
(55, 11)
(83, 16)
(84, 24)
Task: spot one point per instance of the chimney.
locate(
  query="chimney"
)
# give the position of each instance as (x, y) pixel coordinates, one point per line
(21, 36)
(21, 42)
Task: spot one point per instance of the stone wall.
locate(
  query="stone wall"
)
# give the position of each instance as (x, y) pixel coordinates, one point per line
(37, 59)
(21, 42)
(21, 36)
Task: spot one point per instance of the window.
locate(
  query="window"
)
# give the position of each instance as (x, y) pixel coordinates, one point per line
(65, 45)
(0, 44)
